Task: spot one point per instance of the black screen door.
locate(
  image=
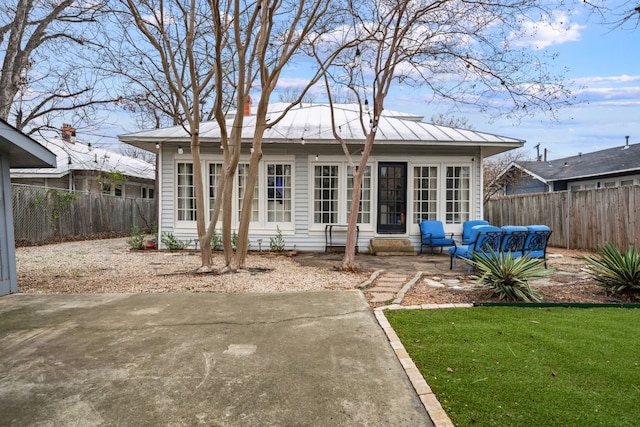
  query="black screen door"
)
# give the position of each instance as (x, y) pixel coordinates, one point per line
(392, 198)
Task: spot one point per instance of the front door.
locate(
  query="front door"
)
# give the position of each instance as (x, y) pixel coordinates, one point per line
(392, 198)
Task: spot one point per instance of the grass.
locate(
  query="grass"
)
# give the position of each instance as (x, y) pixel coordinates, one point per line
(508, 366)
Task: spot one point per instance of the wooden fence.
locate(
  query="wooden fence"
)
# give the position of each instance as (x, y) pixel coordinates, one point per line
(47, 214)
(585, 219)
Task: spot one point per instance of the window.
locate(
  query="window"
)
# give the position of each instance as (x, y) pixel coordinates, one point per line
(243, 176)
(215, 176)
(626, 182)
(457, 184)
(325, 188)
(609, 184)
(364, 214)
(425, 193)
(574, 188)
(186, 193)
(278, 192)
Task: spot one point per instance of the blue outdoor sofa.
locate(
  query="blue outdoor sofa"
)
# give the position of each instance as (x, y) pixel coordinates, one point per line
(531, 240)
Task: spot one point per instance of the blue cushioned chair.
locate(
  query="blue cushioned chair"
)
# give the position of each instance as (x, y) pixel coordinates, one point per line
(535, 245)
(466, 229)
(482, 237)
(514, 239)
(432, 234)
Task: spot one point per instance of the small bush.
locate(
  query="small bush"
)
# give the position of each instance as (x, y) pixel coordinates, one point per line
(216, 241)
(617, 273)
(136, 240)
(234, 240)
(172, 243)
(507, 277)
(277, 243)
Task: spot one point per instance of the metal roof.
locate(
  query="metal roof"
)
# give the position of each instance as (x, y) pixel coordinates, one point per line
(312, 122)
(78, 156)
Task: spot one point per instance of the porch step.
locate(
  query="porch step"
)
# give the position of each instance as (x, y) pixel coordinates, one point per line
(387, 247)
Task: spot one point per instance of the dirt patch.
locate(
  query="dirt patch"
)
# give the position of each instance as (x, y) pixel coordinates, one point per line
(569, 283)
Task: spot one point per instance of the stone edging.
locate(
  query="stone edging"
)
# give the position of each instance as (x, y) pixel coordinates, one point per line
(428, 399)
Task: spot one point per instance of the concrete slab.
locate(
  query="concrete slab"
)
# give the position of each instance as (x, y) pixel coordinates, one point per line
(293, 359)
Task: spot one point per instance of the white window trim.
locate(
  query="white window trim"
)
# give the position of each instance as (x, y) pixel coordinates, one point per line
(343, 206)
(255, 226)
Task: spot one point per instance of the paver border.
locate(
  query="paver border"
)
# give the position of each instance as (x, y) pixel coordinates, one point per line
(427, 397)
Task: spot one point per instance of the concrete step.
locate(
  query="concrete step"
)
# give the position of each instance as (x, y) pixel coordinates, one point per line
(389, 247)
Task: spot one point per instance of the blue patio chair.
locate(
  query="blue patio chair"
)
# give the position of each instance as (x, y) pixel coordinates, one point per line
(513, 240)
(466, 229)
(432, 234)
(535, 245)
(482, 238)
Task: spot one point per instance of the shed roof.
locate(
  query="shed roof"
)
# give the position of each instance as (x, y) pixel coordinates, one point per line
(78, 156)
(23, 151)
(312, 122)
(616, 160)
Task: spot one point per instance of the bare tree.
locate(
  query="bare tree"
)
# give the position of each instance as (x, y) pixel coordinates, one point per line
(208, 56)
(451, 121)
(461, 50)
(137, 153)
(496, 177)
(48, 50)
(263, 38)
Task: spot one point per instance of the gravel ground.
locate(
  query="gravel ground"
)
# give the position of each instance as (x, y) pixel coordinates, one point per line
(109, 266)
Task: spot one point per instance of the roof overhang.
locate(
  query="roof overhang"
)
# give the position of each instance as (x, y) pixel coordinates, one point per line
(22, 151)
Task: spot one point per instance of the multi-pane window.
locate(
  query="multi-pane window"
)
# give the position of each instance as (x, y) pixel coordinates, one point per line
(425, 193)
(186, 193)
(364, 214)
(215, 177)
(279, 194)
(243, 175)
(458, 194)
(325, 191)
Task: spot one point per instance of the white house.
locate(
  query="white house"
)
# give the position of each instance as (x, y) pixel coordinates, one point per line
(416, 171)
(82, 167)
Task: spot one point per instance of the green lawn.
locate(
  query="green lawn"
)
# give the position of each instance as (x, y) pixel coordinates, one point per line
(528, 366)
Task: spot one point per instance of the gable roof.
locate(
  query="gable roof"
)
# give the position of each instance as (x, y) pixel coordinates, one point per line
(23, 151)
(78, 156)
(312, 123)
(622, 159)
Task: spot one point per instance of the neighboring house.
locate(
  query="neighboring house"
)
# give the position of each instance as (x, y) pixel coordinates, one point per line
(612, 167)
(81, 167)
(416, 170)
(16, 150)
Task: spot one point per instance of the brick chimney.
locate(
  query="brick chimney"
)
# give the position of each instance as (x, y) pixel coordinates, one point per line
(68, 133)
(247, 106)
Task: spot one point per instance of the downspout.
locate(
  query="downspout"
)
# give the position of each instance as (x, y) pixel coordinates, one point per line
(158, 195)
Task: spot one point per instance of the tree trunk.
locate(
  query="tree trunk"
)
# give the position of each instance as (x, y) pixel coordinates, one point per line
(349, 259)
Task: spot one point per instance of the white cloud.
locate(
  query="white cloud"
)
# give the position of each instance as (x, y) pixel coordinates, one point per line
(547, 32)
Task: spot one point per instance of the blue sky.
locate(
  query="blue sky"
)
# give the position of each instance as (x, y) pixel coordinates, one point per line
(603, 70)
(604, 67)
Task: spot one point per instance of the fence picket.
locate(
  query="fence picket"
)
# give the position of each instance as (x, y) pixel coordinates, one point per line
(45, 214)
(585, 219)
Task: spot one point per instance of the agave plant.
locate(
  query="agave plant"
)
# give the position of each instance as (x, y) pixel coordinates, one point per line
(617, 273)
(507, 277)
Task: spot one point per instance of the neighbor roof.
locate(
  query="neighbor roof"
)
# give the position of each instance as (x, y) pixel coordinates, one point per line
(623, 159)
(78, 156)
(312, 122)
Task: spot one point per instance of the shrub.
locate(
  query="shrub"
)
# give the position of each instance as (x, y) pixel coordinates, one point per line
(216, 241)
(277, 243)
(507, 277)
(617, 273)
(172, 243)
(136, 240)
